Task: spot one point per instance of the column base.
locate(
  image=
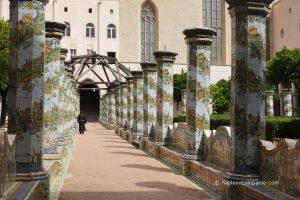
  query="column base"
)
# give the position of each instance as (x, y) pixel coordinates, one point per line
(235, 177)
(32, 176)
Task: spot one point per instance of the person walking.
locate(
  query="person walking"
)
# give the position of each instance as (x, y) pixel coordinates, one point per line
(81, 121)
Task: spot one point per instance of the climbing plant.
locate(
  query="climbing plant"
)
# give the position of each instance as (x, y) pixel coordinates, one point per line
(4, 56)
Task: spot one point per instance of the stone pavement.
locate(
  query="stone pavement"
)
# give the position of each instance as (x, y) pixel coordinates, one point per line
(105, 167)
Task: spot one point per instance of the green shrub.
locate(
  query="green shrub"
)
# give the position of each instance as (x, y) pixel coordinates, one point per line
(179, 118)
(276, 127)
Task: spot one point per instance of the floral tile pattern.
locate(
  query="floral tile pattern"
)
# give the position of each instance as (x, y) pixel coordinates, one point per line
(138, 104)
(198, 102)
(130, 105)
(248, 99)
(27, 82)
(124, 108)
(51, 95)
(149, 95)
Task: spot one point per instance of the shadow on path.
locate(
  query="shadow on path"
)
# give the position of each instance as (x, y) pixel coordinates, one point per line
(147, 167)
(129, 153)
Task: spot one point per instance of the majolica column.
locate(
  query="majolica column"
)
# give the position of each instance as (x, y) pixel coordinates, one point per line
(149, 95)
(54, 33)
(130, 83)
(248, 19)
(287, 103)
(138, 102)
(124, 89)
(26, 83)
(183, 101)
(101, 108)
(112, 101)
(199, 42)
(270, 103)
(118, 104)
(164, 103)
(62, 93)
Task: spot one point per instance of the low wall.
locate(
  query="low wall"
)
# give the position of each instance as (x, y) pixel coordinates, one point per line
(280, 161)
(7, 161)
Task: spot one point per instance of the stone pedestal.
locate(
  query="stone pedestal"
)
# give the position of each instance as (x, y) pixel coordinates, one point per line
(137, 104)
(164, 103)
(269, 103)
(199, 42)
(149, 95)
(248, 19)
(183, 101)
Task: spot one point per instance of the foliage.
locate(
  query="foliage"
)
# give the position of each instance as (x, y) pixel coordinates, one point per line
(4, 56)
(179, 118)
(180, 83)
(276, 127)
(4, 51)
(221, 94)
(284, 68)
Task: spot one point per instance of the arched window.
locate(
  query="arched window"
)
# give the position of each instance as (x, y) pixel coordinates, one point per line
(68, 29)
(111, 31)
(90, 30)
(213, 17)
(148, 32)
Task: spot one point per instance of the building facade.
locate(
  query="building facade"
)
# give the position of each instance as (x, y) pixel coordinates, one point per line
(131, 30)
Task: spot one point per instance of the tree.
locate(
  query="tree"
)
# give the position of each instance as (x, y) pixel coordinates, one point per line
(180, 83)
(221, 95)
(4, 56)
(284, 68)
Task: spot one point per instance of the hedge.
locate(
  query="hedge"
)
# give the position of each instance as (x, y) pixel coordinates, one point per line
(276, 127)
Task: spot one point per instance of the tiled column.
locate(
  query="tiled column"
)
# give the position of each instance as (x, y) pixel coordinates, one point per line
(112, 111)
(138, 103)
(270, 103)
(248, 82)
(149, 95)
(287, 103)
(101, 108)
(130, 103)
(199, 42)
(54, 33)
(105, 107)
(124, 88)
(164, 103)
(294, 100)
(183, 101)
(26, 85)
(118, 104)
(62, 93)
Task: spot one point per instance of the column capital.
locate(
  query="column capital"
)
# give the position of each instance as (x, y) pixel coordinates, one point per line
(124, 84)
(199, 35)
(183, 91)
(257, 7)
(63, 54)
(129, 79)
(165, 56)
(149, 67)
(54, 29)
(137, 74)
